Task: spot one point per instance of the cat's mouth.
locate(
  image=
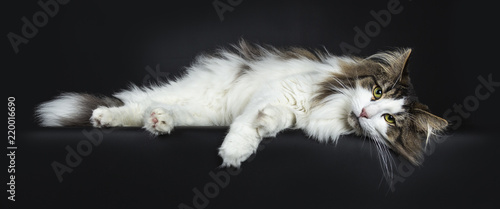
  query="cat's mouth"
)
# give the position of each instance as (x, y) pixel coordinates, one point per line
(353, 121)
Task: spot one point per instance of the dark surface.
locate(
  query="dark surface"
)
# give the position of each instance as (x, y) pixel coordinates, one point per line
(129, 169)
(102, 46)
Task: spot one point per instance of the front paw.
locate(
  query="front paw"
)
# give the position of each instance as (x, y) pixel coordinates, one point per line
(235, 151)
(158, 121)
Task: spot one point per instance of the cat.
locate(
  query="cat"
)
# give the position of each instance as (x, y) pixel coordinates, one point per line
(259, 91)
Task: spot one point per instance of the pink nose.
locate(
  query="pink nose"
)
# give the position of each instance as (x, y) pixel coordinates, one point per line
(363, 113)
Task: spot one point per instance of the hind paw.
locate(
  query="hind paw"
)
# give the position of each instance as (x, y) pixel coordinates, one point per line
(103, 117)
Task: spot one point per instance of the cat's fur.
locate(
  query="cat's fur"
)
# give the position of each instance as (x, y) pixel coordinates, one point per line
(259, 91)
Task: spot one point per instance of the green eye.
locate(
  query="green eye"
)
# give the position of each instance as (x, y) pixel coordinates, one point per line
(389, 119)
(377, 92)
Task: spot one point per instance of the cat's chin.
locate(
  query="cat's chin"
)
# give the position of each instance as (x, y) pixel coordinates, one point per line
(353, 121)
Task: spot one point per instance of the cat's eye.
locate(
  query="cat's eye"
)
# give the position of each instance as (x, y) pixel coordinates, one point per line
(377, 93)
(389, 119)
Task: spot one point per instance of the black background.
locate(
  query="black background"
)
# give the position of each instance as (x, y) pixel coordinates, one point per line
(103, 46)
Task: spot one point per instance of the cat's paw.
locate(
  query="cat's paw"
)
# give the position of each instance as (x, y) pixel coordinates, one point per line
(234, 151)
(158, 121)
(103, 117)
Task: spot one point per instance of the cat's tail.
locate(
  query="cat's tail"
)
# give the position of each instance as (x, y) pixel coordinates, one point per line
(72, 109)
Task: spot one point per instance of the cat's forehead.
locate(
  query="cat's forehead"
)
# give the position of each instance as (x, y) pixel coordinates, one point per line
(382, 74)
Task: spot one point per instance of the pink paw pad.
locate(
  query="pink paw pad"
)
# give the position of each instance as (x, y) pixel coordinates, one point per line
(154, 120)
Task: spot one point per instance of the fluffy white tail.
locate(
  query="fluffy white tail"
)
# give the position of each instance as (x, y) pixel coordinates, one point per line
(72, 109)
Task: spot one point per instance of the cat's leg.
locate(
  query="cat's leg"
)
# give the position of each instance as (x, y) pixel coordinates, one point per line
(162, 118)
(126, 115)
(248, 129)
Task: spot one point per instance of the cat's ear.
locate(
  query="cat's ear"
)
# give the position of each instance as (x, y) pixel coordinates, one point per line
(394, 63)
(402, 66)
(426, 121)
(424, 125)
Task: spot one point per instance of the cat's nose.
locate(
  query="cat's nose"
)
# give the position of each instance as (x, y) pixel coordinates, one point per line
(363, 113)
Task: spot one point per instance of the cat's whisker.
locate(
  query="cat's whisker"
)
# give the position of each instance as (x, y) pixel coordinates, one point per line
(385, 159)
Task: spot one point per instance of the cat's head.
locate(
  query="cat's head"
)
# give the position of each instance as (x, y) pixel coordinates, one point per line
(384, 106)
